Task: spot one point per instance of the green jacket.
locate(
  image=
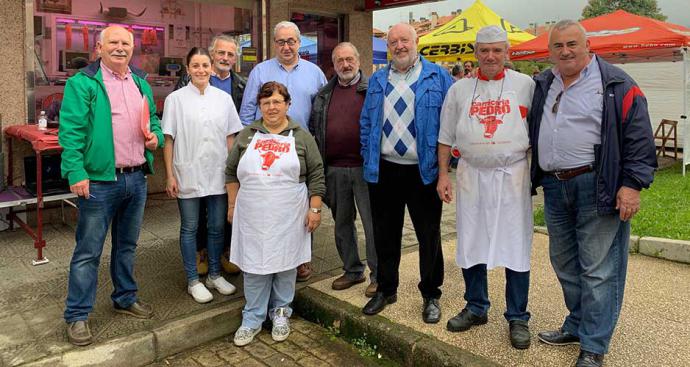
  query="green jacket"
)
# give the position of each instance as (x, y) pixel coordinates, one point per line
(86, 131)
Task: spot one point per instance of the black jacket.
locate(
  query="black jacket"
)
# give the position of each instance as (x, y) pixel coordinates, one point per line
(626, 155)
(238, 84)
(319, 111)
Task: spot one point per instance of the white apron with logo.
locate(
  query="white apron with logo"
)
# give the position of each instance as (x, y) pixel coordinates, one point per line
(494, 206)
(268, 231)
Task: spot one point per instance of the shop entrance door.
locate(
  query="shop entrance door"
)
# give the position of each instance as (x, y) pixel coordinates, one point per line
(320, 34)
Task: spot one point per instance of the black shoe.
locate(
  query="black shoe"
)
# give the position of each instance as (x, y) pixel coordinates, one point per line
(519, 334)
(432, 311)
(378, 303)
(558, 337)
(589, 359)
(465, 320)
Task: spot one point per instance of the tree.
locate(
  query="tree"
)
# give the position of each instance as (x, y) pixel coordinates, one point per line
(647, 8)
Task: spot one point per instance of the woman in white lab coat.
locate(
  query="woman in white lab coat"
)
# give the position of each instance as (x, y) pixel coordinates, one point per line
(199, 122)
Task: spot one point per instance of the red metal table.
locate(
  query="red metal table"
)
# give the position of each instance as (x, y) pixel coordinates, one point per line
(42, 141)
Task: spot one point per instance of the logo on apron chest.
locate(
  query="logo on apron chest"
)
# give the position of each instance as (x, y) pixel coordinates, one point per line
(270, 150)
(486, 113)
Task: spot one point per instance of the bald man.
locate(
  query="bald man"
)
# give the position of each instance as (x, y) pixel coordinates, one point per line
(399, 128)
(105, 159)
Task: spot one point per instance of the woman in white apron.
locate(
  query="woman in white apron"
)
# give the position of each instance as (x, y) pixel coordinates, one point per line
(275, 184)
(199, 122)
(485, 118)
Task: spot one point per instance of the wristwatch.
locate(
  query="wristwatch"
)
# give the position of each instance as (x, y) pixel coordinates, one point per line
(315, 210)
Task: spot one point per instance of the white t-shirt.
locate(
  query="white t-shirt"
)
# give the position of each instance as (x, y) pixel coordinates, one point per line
(199, 125)
(459, 100)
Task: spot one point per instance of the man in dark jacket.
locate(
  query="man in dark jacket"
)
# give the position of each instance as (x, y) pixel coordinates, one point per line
(334, 122)
(592, 151)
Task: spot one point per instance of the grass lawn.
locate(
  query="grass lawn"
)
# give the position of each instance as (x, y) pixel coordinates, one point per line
(665, 208)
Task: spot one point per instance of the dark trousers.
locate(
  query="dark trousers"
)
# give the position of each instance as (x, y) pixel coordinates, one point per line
(202, 233)
(400, 186)
(477, 292)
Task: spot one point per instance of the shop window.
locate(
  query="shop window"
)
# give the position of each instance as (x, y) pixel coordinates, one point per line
(320, 35)
(164, 31)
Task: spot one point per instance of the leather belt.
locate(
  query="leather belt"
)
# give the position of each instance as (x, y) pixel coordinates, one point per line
(129, 169)
(567, 174)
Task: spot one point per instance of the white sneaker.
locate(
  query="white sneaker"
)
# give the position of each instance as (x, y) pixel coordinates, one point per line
(221, 285)
(281, 326)
(200, 293)
(244, 335)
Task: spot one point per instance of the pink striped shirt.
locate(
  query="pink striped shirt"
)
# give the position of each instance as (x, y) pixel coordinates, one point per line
(126, 107)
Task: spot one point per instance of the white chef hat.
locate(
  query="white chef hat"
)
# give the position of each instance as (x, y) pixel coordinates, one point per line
(491, 34)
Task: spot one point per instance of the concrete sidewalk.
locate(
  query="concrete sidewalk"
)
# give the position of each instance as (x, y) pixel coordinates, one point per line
(653, 329)
(654, 321)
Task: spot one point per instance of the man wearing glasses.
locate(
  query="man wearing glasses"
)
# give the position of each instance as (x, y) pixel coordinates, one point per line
(592, 151)
(302, 78)
(485, 117)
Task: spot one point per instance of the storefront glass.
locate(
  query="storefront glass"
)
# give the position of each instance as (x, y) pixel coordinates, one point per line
(66, 33)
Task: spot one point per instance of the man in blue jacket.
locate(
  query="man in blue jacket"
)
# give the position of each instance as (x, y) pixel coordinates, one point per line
(399, 130)
(592, 151)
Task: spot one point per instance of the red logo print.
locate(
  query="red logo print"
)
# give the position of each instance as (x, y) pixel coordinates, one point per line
(271, 150)
(487, 112)
(490, 125)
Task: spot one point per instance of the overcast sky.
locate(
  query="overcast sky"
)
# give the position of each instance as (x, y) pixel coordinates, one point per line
(520, 12)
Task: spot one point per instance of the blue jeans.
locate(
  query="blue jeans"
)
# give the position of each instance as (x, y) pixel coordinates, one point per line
(265, 293)
(477, 292)
(122, 203)
(589, 253)
(217, 210)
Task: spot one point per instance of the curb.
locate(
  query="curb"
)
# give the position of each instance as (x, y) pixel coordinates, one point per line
(142, 348)
(401, 343)
(660, 248)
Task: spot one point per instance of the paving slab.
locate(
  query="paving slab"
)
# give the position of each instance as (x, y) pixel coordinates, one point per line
(653, 329)
(263, 351)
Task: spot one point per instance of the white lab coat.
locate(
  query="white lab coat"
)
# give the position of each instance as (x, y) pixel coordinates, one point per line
(200, 125)
(485, 119)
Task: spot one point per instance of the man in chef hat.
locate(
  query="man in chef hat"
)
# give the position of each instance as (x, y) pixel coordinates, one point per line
(485, 117)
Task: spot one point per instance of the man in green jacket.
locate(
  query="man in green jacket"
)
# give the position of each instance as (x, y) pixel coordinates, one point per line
(106, 153)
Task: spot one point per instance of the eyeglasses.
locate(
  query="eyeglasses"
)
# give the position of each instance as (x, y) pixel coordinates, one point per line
(271, 102)
(289, 42)
(554, 109)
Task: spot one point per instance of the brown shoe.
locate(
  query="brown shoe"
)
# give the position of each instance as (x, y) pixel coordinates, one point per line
(304, 272)
(78, 333)
(343, 282)
(229, 267)
(371, 289)
(138, 309)
(202, 262)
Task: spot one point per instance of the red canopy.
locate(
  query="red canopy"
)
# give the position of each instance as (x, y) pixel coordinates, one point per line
(619, 37)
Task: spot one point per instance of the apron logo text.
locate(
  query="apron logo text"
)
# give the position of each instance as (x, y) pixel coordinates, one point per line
(272, 149)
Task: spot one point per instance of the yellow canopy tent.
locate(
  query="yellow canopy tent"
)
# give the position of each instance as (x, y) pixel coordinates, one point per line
(455, 40)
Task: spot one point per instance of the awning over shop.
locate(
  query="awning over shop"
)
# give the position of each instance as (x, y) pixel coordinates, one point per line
(454, 41)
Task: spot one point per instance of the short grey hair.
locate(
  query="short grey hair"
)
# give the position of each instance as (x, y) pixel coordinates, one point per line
(341, 45)
(101, 35)
(286, 24)
(566, 23)
(221, 37)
